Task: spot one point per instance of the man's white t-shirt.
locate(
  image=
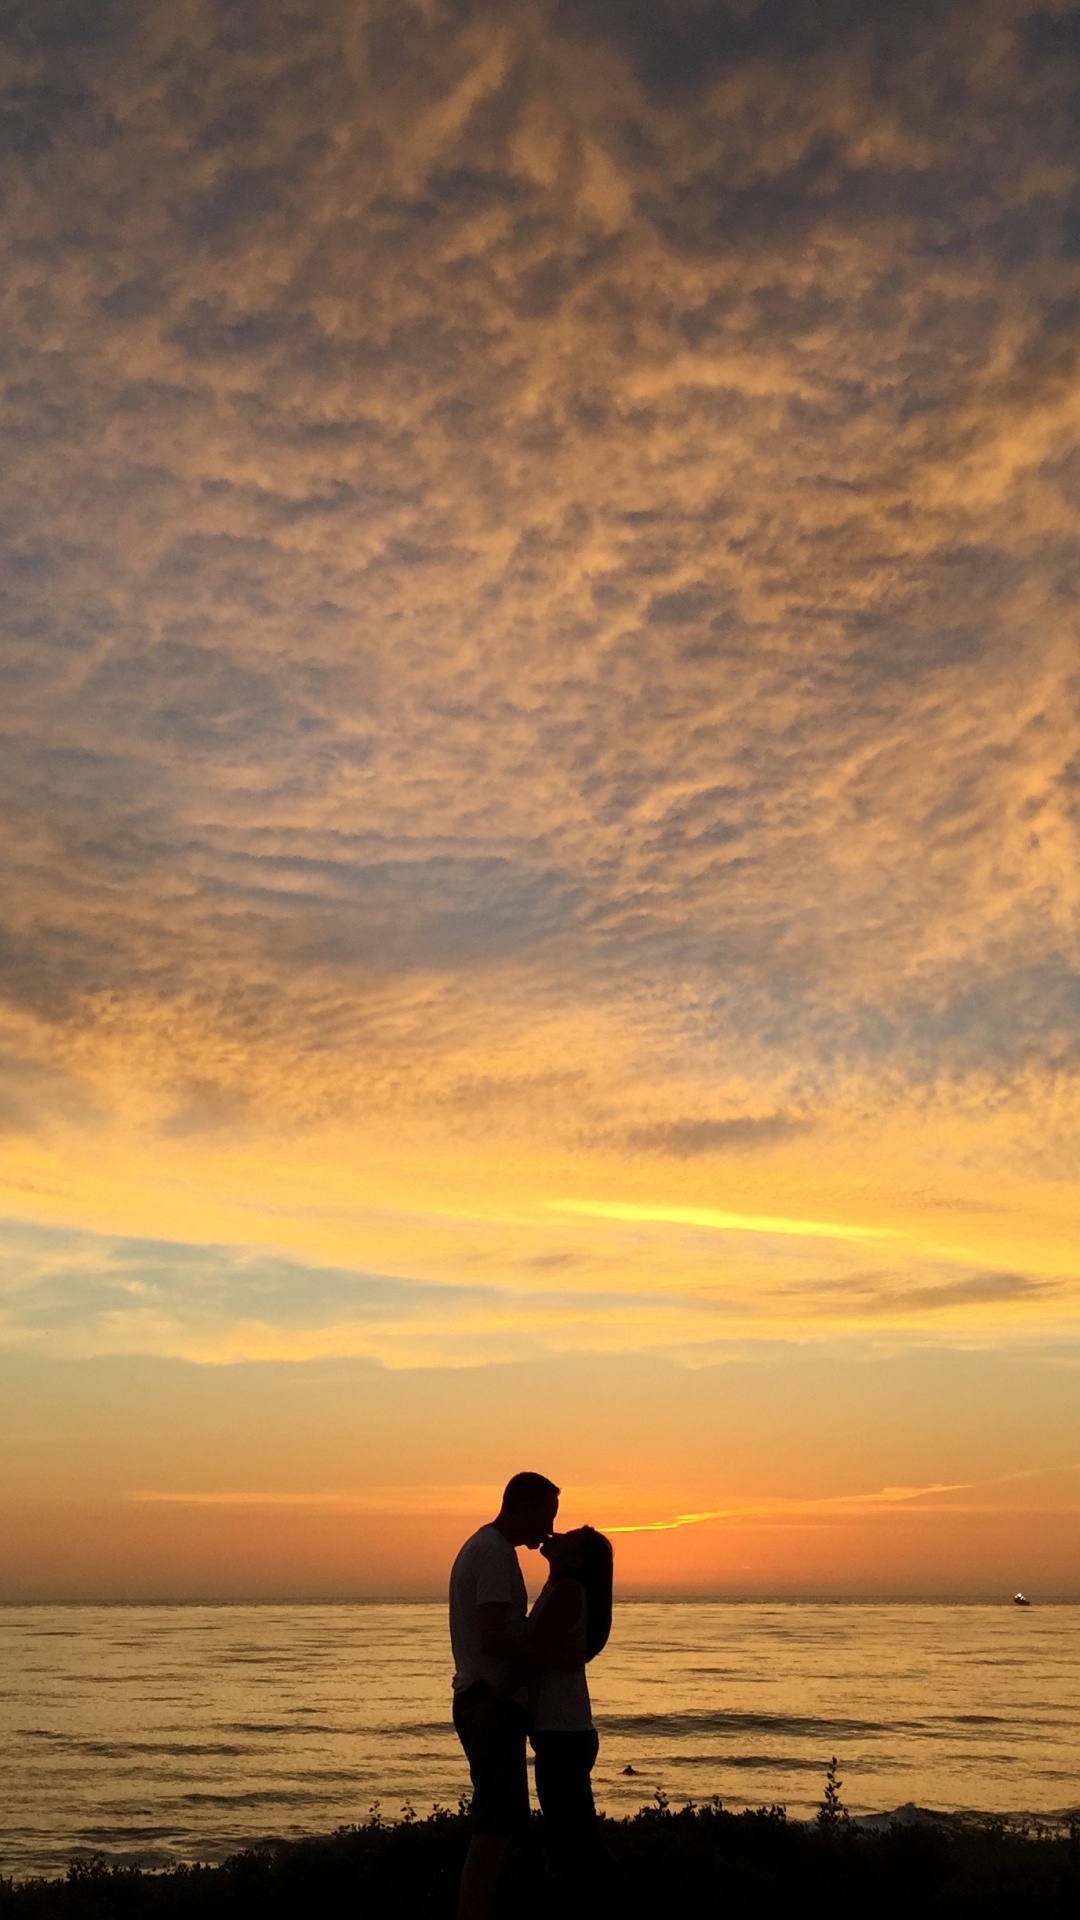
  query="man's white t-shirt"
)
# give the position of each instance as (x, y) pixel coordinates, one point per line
(485, 1571)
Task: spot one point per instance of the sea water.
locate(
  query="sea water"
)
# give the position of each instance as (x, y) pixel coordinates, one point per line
(158, 1734)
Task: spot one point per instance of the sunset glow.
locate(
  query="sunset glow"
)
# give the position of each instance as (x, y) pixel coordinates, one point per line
(541, 753)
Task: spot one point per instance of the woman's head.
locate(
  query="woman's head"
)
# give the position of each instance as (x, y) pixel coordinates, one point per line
(563, 1551)
(586, 1555)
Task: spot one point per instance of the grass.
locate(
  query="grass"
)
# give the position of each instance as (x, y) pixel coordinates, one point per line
(689, 1862)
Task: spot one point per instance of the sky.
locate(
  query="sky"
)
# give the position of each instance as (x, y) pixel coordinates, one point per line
(540, 708)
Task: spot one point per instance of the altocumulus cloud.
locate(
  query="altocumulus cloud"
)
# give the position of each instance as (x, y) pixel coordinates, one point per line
(525, 520)
(76, 1295)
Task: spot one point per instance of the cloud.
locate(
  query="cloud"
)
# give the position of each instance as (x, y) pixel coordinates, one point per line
(537, 566)
(55, 1281)
(739, 1134)
(983, 1497)
(68, 1295)
(714, 1220)
(977, 1289)
(894, 1295)
(72, 1294)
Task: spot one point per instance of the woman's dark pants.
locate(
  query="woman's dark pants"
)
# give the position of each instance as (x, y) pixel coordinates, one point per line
(564, 1764)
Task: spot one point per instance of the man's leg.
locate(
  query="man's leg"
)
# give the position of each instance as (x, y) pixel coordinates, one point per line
(493, 1735)
(480, 1875)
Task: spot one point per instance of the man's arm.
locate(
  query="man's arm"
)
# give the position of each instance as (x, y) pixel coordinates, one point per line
(496, 1638)
(502, 1637)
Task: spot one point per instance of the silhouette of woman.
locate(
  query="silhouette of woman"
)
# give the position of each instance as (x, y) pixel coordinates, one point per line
(573, 1616)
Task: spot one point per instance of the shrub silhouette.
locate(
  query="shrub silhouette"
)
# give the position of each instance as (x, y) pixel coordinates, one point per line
(698, 1862)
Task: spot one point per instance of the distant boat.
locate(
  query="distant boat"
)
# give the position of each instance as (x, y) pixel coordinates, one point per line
(1021, 1600)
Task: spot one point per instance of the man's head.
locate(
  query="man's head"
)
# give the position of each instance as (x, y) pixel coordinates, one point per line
(529, 1505)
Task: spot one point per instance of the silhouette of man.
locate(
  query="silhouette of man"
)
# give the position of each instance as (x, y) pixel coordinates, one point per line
(488, 1603)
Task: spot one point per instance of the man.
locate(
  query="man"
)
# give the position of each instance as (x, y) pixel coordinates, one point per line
(488, 1602)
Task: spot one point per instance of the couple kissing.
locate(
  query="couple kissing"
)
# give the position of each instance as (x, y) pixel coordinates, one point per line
(519, 1674)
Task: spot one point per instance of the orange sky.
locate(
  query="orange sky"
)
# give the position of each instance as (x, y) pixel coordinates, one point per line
(540, 768)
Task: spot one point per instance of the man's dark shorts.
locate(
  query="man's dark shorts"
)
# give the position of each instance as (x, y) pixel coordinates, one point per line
(492, 1733)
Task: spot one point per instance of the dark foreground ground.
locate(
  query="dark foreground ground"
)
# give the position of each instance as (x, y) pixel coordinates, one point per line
(692, 1863)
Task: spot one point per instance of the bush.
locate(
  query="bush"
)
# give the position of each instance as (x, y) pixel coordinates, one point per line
(695, 1861)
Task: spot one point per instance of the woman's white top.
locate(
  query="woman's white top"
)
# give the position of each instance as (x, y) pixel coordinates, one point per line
(559, 1701)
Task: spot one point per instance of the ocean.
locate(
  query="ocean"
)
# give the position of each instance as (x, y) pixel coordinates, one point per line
(159, 1734)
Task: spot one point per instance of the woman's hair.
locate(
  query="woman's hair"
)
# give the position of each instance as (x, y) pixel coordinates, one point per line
(595, 1571)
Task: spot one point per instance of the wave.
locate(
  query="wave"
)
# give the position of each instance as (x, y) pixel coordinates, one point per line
(257, 1797)
(716, 1720)
(772, 1762)
(290, 1727)
(121, 1749)
(354, 1730)
(116, 1835)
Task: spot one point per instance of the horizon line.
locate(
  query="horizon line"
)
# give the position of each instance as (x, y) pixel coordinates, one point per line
(643, 1597)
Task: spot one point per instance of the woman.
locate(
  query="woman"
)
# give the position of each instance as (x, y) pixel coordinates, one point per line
(573, 1616)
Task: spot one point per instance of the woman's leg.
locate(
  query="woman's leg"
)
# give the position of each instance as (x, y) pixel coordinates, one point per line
(564, 1763)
